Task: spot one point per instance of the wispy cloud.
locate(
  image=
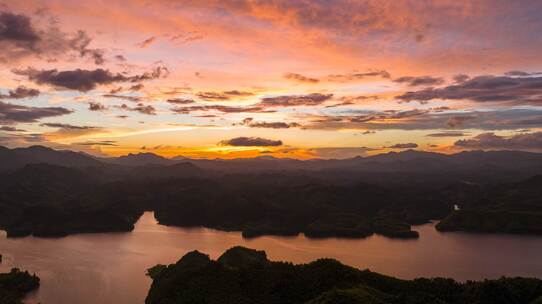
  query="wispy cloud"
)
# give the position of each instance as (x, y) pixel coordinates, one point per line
(251, 142)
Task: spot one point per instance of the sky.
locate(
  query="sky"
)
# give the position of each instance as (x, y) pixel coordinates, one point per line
(249, 78)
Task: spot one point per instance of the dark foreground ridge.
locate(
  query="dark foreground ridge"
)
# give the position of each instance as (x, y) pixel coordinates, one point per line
(243, 275)
(50, 193)
(15, 284)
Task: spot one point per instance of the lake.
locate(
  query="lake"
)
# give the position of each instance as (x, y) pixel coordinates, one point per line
(109, 268)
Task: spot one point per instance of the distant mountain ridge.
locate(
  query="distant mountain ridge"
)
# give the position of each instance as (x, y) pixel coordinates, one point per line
(139, 159)
(19, 157)
(46, 192)
(408, 161)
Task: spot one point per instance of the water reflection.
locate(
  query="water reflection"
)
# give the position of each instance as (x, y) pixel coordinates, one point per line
(109, 268)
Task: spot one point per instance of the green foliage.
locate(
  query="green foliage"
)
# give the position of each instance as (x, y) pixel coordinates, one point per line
(492, 221)
(505, 208)
(394, 228)
(362, 294)
(51, 201)
(48, 200)
(241, 257)
(155, 271)
(243, 275)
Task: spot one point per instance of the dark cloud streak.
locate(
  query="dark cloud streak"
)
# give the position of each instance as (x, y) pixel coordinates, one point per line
(420, 81)
(300, 78)
(220, 108)
(251, 142)
(21, 92)
(295, 100)
(11, 113)
(96, 106)
(84, 80)
(141, 108)
(20, 38)
(522, 141)
(66, 126)
(221, 96)
(404, 146)
(516, 90)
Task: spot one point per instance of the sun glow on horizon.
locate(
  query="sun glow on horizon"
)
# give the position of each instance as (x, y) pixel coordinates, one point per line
(434, 76)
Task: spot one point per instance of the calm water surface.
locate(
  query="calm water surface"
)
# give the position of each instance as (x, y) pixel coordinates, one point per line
(109, 268)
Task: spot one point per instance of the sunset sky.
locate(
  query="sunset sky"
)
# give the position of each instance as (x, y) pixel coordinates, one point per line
(246, 78)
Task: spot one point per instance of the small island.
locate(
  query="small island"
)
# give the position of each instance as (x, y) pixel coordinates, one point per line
(339, 225)
(15, 284)
(242, 275)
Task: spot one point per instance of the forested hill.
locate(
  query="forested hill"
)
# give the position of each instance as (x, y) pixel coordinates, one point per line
(45, 192)
(243, 275)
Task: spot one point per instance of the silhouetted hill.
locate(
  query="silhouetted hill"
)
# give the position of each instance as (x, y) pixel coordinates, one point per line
(427, 166)
(406, 155)
(258, 164)
(356, 197)
(179, 170)
(16, 158)
(139, 159)
(243, 275)
(503, 208)
(49, 200)
(44, 180)
(475, 165)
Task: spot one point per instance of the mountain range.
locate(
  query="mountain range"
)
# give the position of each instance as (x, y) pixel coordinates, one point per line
(476, 164)
(46, 192)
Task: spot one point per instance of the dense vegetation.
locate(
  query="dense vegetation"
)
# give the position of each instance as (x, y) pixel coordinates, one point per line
(47, 200)
(508, 208)
(54, 193)
(15, 284)
(286, 205)
(244, 275)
